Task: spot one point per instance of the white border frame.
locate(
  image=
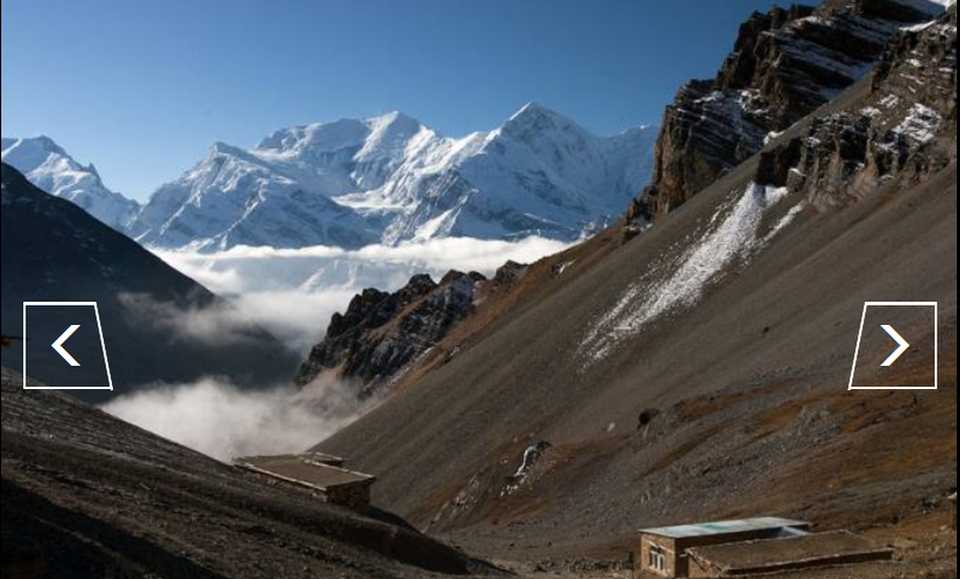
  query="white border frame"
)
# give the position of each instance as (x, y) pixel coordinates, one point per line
(103, 346)
(936, 345)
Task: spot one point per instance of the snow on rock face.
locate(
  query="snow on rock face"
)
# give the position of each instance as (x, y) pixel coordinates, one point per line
(734, 233)
(921, 123)
(381, 334)
(391, 179)
(49, 167)
(237, 197)
(785, 65)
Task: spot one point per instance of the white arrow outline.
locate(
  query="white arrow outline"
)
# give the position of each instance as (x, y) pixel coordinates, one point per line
(903, 345)
(58, 345)
(856, 352)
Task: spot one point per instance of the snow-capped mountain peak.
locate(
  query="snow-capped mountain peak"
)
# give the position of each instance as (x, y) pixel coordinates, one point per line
(48, 166)
(532, 109)
(390, 178)
(369, 135)
(35, 150)
(314, 138)
(389, 136)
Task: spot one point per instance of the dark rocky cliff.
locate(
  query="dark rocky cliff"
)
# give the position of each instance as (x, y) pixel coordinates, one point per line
(785, 64)
(381, 333)
(901, 131)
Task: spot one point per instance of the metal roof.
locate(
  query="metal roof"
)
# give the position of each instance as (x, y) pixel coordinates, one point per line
(725, 527)
(309, 457)
(771, 555)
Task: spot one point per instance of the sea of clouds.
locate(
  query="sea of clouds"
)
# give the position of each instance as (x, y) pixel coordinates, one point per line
(291, 293)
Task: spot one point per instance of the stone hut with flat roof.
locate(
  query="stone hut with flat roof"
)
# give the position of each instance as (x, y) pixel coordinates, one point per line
(746, 547)
(321, 473)
(663, 551)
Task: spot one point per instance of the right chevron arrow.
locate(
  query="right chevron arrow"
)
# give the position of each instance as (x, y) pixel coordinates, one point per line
(901, 348)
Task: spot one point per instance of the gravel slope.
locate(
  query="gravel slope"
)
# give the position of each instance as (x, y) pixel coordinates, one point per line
(87, 495)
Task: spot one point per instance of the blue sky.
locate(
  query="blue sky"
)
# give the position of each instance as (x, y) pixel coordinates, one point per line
(143, 88)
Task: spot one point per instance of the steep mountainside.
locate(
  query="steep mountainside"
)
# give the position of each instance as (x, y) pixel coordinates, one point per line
(785, 65)
(700, 370)
(158, 325)
(390, 178)
(51, 169)
(88, 496)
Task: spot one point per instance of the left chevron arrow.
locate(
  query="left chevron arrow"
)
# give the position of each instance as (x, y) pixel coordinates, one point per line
(57, 345)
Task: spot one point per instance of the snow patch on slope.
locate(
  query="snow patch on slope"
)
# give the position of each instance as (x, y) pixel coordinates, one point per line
(733, 233)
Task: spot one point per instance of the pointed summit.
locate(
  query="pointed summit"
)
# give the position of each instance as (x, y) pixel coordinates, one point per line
(537, 118)
(31, 151)
(393, 123)
(532, 110)
(50, 168)
(392, 117)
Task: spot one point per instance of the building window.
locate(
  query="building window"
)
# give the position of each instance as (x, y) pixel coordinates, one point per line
(658, 559)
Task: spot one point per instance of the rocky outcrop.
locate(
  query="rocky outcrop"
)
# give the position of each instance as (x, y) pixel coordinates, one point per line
(785, 64)
(373, 308)
(507, 275)
(900, 131)
(381, 333)
(383, 336)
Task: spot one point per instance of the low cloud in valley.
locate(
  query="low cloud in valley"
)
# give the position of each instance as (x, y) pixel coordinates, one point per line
(291, 293)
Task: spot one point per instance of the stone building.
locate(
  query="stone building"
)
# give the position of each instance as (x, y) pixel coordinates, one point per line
(323, 474)
(746, 547)
(663, 551)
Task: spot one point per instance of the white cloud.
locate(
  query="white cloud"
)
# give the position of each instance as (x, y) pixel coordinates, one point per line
(217, 324)
(293, 292)
(216, 418)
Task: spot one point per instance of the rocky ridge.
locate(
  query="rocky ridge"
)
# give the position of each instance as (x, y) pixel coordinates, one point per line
(382, 334)
(785, 64)
(899, 132)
